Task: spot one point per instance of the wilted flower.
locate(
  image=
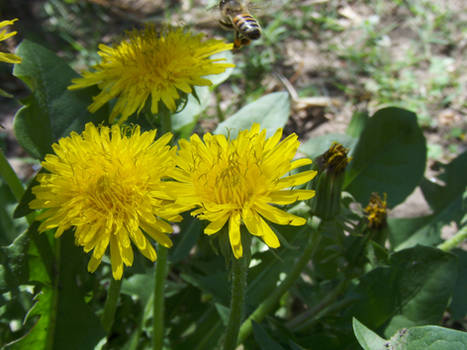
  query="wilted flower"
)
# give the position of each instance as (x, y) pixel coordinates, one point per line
(160, 66)
(239, 181)
(8, 57)
(109, 186)
(376, 211)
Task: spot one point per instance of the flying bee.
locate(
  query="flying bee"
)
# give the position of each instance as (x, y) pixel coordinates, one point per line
(235, 16)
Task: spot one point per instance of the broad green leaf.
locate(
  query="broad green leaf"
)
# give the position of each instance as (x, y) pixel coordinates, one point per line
(389, 157)
(368, 339)
(458, 305)
(357, 123)
(316, 146)
(408, 232)
(415, 338)
(51, 111)
(65, 320)
(263, 339)
(413, 290)
(270, 111)
(428, 338)
(448, 197)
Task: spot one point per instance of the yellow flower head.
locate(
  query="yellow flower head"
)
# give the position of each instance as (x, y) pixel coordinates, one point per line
(109, 185)
(8, 57)
(239, 181)
(151, 64)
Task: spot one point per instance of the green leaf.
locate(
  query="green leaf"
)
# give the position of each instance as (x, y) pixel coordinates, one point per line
(408, 232)
(415, 338)
(14, 263)
(458, 305)
(448, 197)
(368, 339)
(428, 338)
(316, 146)
(190, 231)
(357, 123)
(22, 209)
(263, 339)
(51, 111)
(65, 320)
(389, 157)
(270, 111)
(413, 290)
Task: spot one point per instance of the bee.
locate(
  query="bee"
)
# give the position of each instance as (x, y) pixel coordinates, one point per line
(235, 16)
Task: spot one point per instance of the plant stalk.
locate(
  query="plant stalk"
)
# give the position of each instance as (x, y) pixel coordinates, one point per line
(110, 306)
(454, 241)
(238, 292)
(158, 312)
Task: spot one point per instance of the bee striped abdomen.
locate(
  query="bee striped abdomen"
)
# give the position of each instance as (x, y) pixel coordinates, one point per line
(247, 26)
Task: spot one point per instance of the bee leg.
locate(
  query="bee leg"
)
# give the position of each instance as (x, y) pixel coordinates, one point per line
(226, 23)
(240, 41)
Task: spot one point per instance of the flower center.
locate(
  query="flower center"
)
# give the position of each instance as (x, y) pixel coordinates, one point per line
(232, 180)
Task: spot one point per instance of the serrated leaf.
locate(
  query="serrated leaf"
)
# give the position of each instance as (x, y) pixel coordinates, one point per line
(270, 111)
(65, 320)
(51, 111)
(14, 263)
(389, 157)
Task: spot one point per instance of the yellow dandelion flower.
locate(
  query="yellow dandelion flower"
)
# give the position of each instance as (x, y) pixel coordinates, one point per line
(8, 57)
(109, 186)
(159, 66)
(239, 181)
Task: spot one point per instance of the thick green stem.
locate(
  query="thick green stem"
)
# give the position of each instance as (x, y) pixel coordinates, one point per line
(454, 241)
(237, 301)
(158, 314)
(268, 305)
(111, 305)
(165, 120)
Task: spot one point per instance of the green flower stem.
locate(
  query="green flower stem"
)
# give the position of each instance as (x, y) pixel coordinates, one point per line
(268, 305)
(454, 241)
(110, 306)
(158, 313)
(165, 120)
(12, 180)
(237, 301)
